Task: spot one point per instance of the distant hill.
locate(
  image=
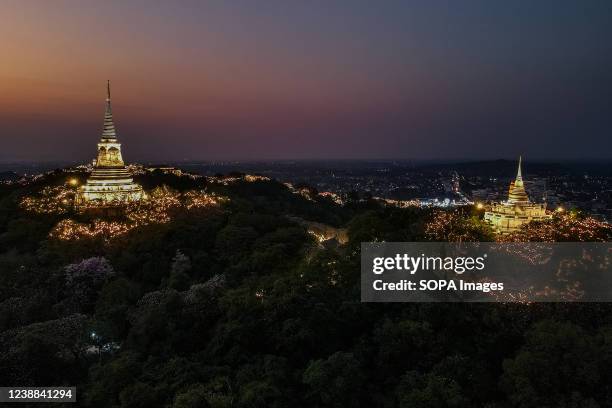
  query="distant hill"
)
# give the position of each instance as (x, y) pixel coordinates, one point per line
(501, 168)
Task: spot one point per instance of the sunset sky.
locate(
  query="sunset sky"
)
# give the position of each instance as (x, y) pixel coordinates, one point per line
(307, 79)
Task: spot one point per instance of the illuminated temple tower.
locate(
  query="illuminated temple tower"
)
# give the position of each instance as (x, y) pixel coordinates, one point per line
(110, 183)
(509, 216)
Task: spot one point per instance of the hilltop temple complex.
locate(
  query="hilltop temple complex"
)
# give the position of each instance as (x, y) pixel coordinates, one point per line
(110, 183)
(509, 216)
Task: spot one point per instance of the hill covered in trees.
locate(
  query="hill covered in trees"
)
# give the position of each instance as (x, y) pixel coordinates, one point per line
(215, 294)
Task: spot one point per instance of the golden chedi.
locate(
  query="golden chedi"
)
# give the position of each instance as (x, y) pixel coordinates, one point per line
(110, 183)
(509, 216)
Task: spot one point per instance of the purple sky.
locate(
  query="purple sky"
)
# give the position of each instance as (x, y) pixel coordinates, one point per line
(317, 79)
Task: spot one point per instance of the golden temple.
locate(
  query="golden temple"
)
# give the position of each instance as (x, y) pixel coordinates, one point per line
(509, 216)
(110, 183)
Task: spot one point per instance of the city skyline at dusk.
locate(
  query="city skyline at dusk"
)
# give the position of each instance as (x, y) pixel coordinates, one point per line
(290, 80)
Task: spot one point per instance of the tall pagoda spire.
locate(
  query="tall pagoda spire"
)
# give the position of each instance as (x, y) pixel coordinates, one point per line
(110, 182)
(517, 193)
(109, 131)
(519, 176)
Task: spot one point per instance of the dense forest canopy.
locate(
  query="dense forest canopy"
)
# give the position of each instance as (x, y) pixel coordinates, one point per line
(235, 304)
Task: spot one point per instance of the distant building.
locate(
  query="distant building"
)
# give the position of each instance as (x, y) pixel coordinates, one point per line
(485, 194)
(538, 189)
(509, 216)
(456, 183)
(110, 182)
(165, 169)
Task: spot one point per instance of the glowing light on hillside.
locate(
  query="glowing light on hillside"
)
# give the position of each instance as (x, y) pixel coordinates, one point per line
(163, 204)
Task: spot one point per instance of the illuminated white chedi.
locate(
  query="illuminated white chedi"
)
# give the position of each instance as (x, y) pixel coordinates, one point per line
(110, 183)
(509, 216)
